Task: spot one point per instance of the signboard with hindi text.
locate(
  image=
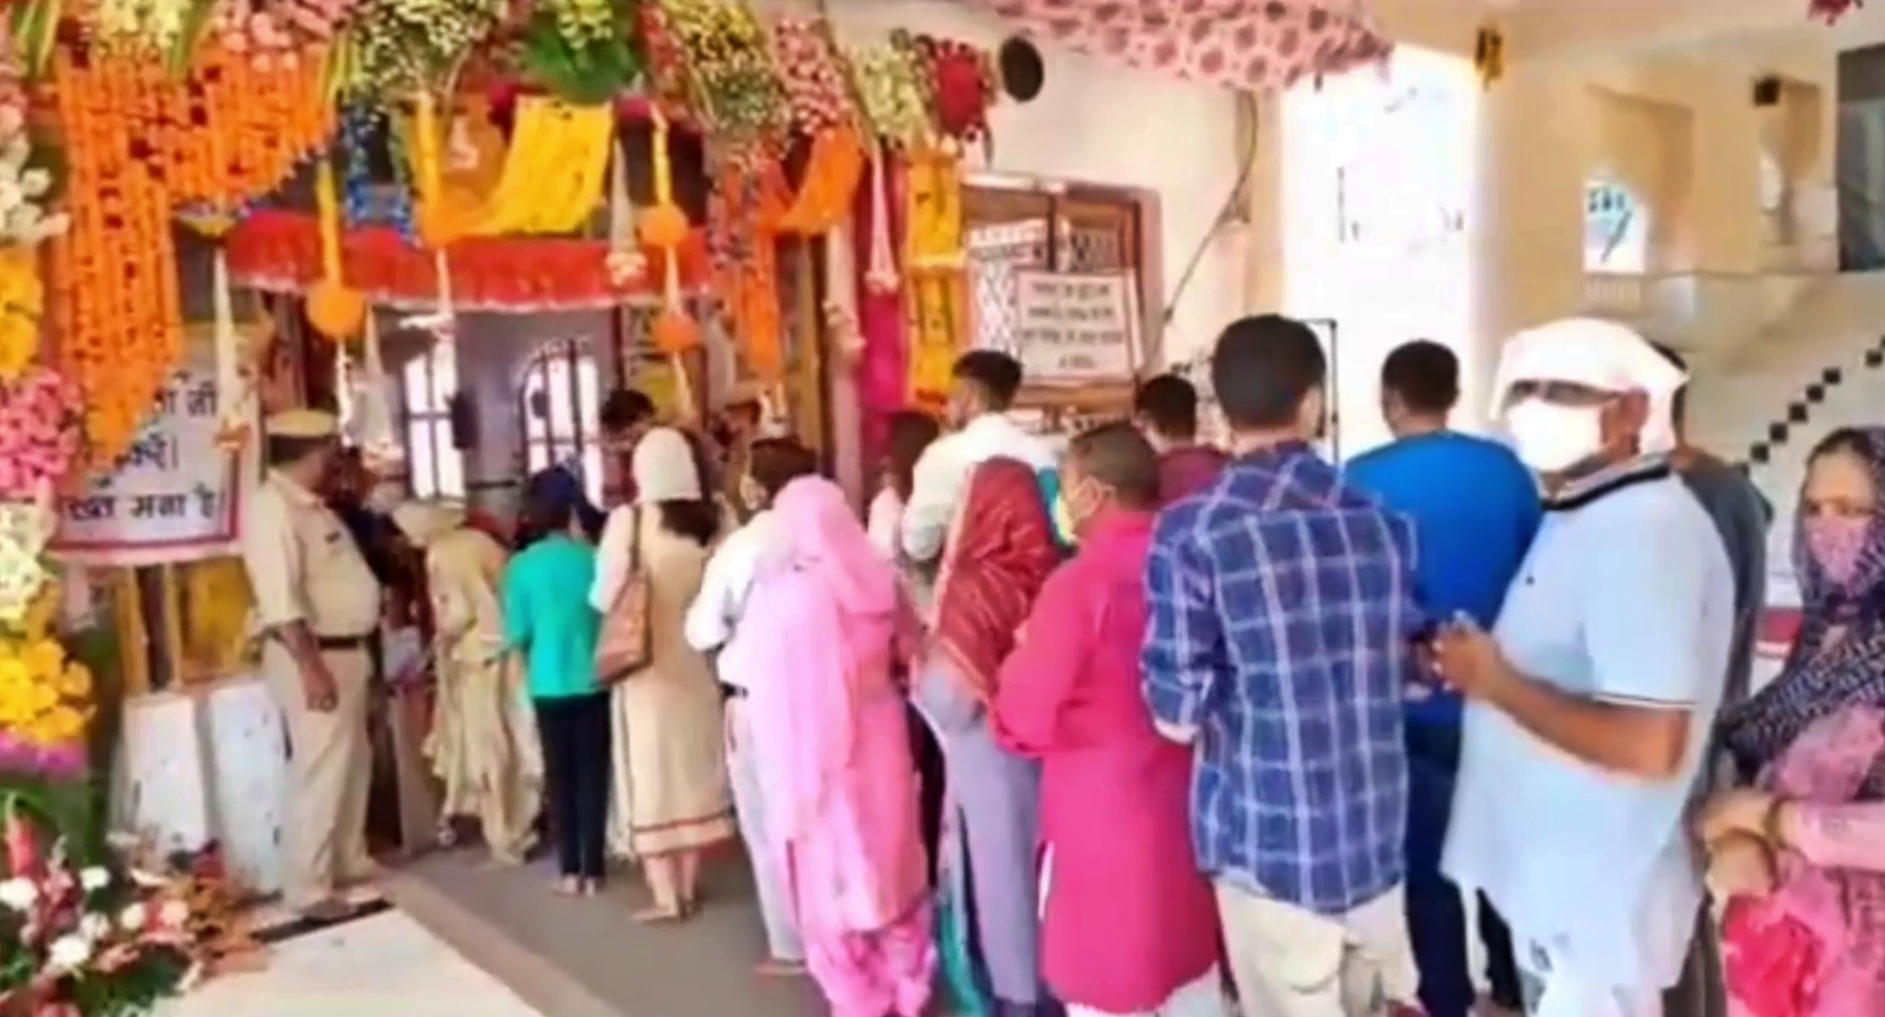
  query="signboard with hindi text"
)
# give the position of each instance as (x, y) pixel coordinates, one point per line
(1074, 329)
(175, 496)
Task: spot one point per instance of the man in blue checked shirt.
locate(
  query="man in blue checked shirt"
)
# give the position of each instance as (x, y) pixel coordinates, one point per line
(1281, 637)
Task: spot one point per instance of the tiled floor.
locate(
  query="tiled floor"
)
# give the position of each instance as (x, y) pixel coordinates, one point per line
(585, 958)
(383, 965)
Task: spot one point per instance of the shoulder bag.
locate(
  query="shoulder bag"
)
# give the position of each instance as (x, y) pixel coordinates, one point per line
(625, 644)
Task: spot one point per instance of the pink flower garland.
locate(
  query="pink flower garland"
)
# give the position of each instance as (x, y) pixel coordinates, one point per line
(40, 418)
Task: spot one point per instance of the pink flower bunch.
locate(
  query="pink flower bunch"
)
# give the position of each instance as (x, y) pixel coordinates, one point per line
(816, 92)
(276, 31)
(19, 754)
(40, 418)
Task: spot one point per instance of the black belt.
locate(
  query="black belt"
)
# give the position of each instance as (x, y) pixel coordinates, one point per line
(344, 642)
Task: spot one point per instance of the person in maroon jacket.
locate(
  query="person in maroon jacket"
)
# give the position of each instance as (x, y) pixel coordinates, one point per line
(1165, 408)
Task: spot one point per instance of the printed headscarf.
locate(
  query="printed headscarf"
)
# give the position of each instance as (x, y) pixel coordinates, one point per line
(1812, 683)
(1000, 550)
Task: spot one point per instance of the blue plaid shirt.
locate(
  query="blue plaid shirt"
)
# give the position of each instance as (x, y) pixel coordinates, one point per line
(1282, 614)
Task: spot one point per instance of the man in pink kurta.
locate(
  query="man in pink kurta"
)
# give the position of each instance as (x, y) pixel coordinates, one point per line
(1130, 925)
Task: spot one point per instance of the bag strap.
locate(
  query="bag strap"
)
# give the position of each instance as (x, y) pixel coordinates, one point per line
(634, 539)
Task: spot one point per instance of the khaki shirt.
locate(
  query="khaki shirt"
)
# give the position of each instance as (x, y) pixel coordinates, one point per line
(304, 566)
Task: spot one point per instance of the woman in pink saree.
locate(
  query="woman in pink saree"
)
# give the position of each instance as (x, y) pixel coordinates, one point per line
(826, 615)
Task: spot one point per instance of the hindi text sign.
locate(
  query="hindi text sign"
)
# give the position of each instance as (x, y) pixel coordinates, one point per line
(174, 496)
(1076, 328)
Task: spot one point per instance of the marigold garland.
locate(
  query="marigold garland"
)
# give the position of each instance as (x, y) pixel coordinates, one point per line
(747, 211)
(115, 301)
(244, 127)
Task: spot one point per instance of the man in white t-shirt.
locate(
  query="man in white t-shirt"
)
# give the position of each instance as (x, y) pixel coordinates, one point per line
(986, 383)
(1590, 704)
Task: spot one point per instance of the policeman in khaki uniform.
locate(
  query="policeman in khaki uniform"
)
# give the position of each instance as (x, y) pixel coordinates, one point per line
(317, 605)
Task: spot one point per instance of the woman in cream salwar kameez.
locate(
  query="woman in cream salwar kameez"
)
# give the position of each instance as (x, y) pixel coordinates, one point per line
(483, 745)
(672, 776)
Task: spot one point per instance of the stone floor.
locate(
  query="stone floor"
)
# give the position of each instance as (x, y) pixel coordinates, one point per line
(585, 958)
(383, 965)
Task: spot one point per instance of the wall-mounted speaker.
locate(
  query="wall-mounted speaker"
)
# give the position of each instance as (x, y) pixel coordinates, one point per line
(1767, 90)
(1022, 70)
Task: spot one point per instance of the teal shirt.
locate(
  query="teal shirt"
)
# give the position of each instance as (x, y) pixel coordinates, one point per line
(548, 618)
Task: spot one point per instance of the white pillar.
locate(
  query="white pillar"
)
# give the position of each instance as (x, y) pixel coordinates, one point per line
(1528, 223)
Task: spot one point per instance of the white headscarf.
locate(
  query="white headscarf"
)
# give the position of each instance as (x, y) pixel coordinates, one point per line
(1598, 354)
(425, 521)
(664, 468)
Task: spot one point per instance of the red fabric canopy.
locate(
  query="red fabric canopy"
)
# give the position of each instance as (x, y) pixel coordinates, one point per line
(1260, 45)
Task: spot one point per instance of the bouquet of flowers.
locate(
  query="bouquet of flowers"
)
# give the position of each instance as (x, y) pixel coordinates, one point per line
(45, 708)
(87, 941)
(40, 419)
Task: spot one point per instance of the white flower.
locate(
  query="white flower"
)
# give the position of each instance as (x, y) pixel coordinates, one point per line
(35, 182)
(11, 195)
(174, 913)
(94, 927)
(133, 917)
(94, 878)
(18, 893)
(69, 953)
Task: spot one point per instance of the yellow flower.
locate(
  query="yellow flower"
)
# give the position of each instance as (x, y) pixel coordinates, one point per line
(75, 682)
(15, 675)
(63, 725)
(46, 659)
(42, 698)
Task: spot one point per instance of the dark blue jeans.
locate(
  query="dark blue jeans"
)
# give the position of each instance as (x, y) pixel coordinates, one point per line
(1436, 916)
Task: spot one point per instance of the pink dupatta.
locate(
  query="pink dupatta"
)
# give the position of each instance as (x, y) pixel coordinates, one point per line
(828, 720)
(1815, 947)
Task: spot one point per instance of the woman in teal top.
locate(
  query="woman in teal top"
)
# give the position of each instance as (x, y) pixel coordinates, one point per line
(548, 619)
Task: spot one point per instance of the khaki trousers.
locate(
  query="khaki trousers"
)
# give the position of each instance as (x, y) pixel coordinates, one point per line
(330, 773)
(1289, 961)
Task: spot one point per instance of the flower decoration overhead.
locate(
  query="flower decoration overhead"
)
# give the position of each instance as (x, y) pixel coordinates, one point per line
(40, 418)
(396, 47)
(817, 95)
(581, 50)
(734, 85)
(148, 27)
(894, 95)
(279, 33)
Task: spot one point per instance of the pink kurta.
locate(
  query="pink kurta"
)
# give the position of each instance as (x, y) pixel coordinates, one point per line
(1128, 917)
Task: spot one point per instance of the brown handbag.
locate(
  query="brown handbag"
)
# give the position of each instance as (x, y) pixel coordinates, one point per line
(626, 643)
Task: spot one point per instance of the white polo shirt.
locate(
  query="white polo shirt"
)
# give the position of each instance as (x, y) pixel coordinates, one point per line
(1628, 598)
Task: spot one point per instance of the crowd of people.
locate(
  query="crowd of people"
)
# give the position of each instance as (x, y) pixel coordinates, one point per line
(1252, 729)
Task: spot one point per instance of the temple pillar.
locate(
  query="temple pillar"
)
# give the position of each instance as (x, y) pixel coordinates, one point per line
(1527, 226)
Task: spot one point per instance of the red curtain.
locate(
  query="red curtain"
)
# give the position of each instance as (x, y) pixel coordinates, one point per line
(1261, 45)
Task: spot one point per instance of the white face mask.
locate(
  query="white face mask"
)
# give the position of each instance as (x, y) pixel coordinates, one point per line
(1551, 438)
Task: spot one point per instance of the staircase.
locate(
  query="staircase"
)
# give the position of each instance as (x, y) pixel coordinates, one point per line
(1821, 369)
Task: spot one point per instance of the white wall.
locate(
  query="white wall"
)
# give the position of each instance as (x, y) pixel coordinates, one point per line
(1103, 123)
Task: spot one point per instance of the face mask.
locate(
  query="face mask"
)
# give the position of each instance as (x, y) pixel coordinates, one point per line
(1836, 544)
(1551, 438)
